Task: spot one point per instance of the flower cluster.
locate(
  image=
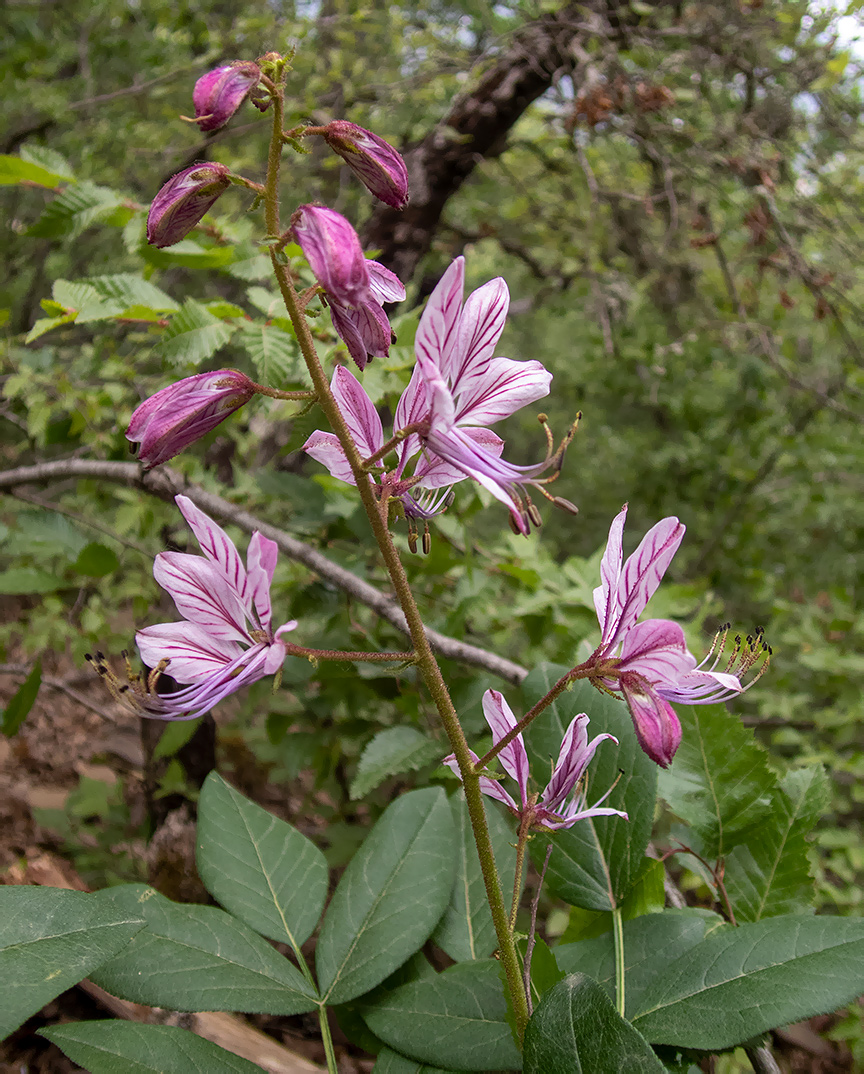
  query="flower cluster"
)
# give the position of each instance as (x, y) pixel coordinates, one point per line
(562, 803)
(458, 388)
(649, 662)
(226, 639)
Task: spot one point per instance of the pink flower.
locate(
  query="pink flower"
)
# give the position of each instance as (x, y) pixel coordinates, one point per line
(181, 413)
(562, 803)
(368, 434)
(219, 93)
(649, 662)
(458, 386)
(356, 288)
(226, 639)
(375, 161)
(183, 200)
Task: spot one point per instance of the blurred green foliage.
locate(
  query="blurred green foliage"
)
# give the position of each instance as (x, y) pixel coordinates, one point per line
(678, 219)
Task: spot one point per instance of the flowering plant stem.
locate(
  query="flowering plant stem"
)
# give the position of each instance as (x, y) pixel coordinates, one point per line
(580, 672)
(423, 654)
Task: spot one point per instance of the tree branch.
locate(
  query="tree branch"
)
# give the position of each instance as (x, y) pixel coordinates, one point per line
(474, 129)
(167, 483)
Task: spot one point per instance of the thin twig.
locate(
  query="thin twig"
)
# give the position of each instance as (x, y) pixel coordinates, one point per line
(21, 671)
(532, 931)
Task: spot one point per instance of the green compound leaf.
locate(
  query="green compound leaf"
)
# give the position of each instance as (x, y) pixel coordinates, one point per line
(73, 211)
(594, 863)
(14, 170)
(275, 354)
(194, 335)
(22, 701)
(457, 1017)
(466, 930)
(651, 943)
(771, 874)
(391, 752)
(719, 781)
(390, 897)
(109, 1047)
(738, 983)
(50, 939)
(390, 1062)
(576, 1030)
(197, 958)
(258, 867)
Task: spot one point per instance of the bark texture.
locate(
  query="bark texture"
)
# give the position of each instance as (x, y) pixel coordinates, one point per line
(476, 127)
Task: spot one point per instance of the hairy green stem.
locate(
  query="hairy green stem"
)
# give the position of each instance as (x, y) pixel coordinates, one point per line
(424, 657)
(618, 930)
(339, 654)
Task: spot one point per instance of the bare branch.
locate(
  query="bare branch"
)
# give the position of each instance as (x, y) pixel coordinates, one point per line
(167, 483)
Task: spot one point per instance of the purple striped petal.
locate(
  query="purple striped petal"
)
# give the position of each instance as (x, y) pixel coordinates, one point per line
(386, 285)
(640, 577)
(193, 651)
(436, 473)
(326, 449)
(439, 325)
(657, 726)
(491, 787)
(657, 650)
(610, 572)
(513, 758)
(202, 594)
(413, 406)
(480, 328)
(357, 409)
(497, 388)
(261, 559)
(216, 545)
(573, 759)
(365, 331)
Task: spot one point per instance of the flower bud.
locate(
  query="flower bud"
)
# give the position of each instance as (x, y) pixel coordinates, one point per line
(219, 93)
(181, 413)
(183, 200)
(333, 251)
(375, 161)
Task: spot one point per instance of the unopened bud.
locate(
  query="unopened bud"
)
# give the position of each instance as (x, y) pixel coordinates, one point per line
(220, 92)
(333, 251)
(182, 413)
(183, 200)
(375, 161)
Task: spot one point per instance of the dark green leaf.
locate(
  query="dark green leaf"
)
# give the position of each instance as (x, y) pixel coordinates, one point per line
(50, 939)
(391, 752)
(719, 781)
(595, 862)
(738, 983)
(109, 1047)
(15, 170)
(466, 930)
(576, 1030)
(390, 897)
(457, 1017)
(257, 866)
(390, 1062)
(97, 560)
(21, 701)
(651, 943)
(771, 873)
(197, 958)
